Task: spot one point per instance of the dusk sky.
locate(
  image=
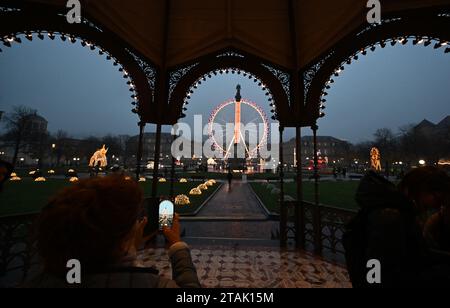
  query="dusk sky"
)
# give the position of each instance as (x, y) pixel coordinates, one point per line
(82, 93)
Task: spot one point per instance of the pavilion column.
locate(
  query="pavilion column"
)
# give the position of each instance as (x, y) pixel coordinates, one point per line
(283, 209)
(172, 173)
(299, 210)
(140, 150)
(156, 161)
(316, 214)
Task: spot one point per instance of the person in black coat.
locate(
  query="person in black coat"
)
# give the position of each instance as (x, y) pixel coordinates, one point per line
(390, 228)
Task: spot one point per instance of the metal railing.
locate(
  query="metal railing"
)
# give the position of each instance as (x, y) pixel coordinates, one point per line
(320, 226)
(17, 249)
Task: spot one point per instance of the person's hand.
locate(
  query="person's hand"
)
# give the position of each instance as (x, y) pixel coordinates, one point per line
(173, 234)
(139, 233)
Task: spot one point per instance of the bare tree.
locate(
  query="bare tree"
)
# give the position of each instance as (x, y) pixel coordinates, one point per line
(17, 123)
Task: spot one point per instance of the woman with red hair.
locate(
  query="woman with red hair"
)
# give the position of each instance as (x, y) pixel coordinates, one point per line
(100, 223)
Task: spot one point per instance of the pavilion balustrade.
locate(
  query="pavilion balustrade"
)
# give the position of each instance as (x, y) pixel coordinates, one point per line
(322, 227)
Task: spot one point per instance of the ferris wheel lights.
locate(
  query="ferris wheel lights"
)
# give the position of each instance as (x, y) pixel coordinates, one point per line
(323, 107)
(321, 115)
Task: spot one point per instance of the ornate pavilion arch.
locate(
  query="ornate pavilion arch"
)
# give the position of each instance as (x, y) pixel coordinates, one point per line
(46, 22)
(184, 79)
(428, 27)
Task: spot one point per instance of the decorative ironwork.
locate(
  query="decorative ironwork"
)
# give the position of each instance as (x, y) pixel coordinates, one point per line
(370, 27)
(176, 76)
(17, 250)
(148, 69)
(310, 74)
(9, 9)
(91, 24)
(283, 77)
(332, 225)
(230, 54)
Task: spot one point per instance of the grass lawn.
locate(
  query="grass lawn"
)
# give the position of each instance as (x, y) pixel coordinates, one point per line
(335, 194)
(29, 197)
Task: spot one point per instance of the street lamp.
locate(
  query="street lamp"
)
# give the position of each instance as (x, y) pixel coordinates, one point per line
(422, 162)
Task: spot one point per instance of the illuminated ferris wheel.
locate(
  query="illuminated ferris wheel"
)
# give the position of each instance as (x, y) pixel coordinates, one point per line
(239, 113)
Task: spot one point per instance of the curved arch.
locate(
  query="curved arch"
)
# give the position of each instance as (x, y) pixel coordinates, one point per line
(233, 62)
(50, 22)
(424, 28)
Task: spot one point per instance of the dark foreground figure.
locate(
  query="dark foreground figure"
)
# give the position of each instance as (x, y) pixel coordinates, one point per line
(5, 172)
(393, 226)
(100, 222)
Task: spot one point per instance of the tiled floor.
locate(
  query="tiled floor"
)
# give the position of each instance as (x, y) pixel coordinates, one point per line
(255, 268)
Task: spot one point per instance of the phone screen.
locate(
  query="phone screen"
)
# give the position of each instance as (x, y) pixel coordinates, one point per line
(166, 212)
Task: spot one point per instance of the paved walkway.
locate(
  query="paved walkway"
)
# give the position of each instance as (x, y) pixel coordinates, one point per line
(234, 217)
(237, 203)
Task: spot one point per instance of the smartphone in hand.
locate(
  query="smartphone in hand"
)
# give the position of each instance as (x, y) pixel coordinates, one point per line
(166, 214)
